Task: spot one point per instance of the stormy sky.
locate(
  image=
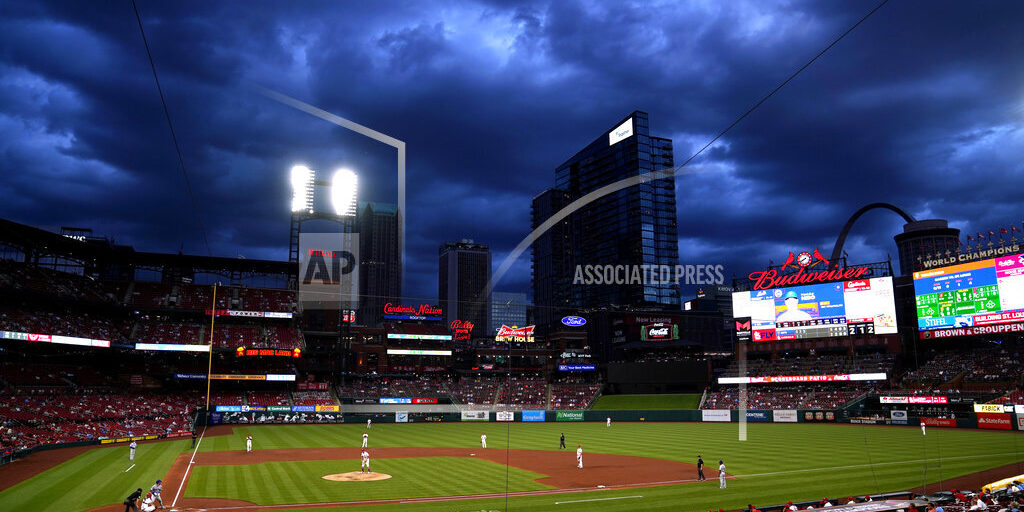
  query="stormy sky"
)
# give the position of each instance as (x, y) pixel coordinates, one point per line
(921, 106)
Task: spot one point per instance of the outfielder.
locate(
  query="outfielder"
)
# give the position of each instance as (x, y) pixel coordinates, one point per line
(248, 444)
(365, 456)
(156, 490)
(721, 474)
(579, 456)
(609, 421)
(923, 433)
(368, 422)
(366, 437)
(483, 440)
(131, 450)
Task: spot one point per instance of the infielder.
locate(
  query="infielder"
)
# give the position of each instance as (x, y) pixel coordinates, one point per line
(156, 491)
(365, 456)
(131, 450)
(579, 456)
(483, 440)
(923, 433)
(721, 474)
(366, 438)
(248, 444)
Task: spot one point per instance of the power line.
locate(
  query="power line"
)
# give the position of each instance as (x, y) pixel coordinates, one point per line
(177, 147)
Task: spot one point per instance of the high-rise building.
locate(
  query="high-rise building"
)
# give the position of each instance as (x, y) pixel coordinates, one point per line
(380, 260)
(464, 268)
(634, 226)
(926, 239)
(507, 309)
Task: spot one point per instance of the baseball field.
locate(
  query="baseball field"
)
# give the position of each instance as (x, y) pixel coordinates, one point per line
(441, 467)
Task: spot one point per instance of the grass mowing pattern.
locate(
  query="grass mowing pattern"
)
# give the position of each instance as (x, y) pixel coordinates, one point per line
(812, 456)
(642, 402)
(274, 483)
(94, 479)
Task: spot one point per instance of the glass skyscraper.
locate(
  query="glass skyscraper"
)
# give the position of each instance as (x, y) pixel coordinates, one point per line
(633, 226)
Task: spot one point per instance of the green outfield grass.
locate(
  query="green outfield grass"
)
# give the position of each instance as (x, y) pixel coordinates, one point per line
(640, 402)
(301, 482)
(778, 462)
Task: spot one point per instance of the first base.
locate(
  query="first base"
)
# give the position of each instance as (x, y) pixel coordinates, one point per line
(356, 476)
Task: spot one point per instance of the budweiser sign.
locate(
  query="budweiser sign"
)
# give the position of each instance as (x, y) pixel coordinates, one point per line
(521, 334)
(420, 310)
(803, 262)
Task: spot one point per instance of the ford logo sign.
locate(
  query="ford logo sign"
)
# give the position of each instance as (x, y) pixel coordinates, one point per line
(574, 321)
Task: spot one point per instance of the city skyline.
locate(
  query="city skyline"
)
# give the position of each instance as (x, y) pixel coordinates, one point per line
(491, 99)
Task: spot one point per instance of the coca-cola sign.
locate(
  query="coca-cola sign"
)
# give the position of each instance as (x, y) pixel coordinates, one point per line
(418, 312)
(463, 329)
(520, 334)
(659, 331)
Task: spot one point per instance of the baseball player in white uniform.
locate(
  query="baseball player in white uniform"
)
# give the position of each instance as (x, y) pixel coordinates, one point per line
(147, 504)
(368, 422)
(608, 422)
(366, 437)
(365, 456)
(923, 433)
(721, 474)
(131, 450)
(579, 456)
(248, 444)
(156, 491)
(483, 440)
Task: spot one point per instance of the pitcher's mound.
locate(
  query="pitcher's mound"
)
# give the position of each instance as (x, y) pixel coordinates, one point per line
(356, 476)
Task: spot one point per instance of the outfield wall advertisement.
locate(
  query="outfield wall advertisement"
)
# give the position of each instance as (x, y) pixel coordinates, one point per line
(476, 416)
(533, 415)
(759, 416)
(1000, 421)
(715, 415)
(784, 416)
(568, 415)
(505, 416)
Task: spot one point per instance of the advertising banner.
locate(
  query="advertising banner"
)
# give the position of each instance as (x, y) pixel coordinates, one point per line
(228, 408)
(251, 408)
(989, 408)
(867, 421)
(506, 415)
(401, 417)
(281, 417)
(568, 415)
(533, 415)
(303, 408)
(939, 422)
(326, 408)
(784, 416)
(396, 400)
(758, 416)
(802, 378)
(192, 376)
(715, 415)
(475, 416)
(279, 408)
(576, 367)
(312, 386)
(994, 421)
(898, 417)
(1020, 422)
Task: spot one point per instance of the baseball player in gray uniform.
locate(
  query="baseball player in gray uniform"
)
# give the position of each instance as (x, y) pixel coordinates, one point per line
(158, 488)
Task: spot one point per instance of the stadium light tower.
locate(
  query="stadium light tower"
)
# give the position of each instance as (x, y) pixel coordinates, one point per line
(302, 189)
(343, 196)
(343, 192)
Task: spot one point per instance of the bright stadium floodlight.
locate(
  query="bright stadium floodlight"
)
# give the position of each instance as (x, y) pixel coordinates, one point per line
(343, 192)
(302, 189)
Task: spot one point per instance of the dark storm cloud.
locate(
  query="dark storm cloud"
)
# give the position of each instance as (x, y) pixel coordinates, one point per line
(921, 106)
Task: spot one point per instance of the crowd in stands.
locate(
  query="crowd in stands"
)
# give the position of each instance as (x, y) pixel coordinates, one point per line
(476, 390)
(267, 398)
(524, 393)
(817, 397)
(996, 366)
(152, 331)
(21, 278)
(1006, 499)
(82, 325)
(815, 365)
(312, 398)
(573, 396)
(28, 420)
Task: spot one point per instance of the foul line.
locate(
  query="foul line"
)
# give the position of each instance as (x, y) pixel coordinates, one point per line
(598, 499)
(183, 477)
(129, 468)
(523, 494)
